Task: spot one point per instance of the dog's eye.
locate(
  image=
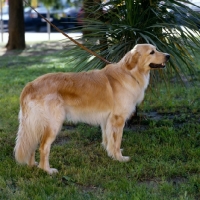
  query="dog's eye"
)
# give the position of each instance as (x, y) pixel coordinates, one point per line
(152, 52)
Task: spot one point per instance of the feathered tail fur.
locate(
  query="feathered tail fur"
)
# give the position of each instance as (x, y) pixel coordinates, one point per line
(31, 129)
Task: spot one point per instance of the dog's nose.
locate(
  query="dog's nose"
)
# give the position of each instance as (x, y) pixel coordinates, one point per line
(167, 56)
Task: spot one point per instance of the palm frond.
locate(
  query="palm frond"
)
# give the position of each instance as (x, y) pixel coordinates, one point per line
(171, 26)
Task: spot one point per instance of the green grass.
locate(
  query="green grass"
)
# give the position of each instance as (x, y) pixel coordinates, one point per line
(164, 144)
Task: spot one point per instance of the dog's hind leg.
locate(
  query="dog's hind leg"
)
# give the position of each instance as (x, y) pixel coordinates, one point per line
(55, 120)
(31, 161)
(114, 132)
(104, 135)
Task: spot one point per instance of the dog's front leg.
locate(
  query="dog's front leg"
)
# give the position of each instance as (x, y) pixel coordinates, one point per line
(114, 132)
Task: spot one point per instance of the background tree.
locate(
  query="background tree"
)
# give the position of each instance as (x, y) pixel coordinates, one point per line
(16, 38)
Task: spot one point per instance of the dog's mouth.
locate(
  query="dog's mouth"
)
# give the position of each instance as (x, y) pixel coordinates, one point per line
(153, 65)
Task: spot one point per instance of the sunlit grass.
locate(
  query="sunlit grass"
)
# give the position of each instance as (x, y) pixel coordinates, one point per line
(164, 145)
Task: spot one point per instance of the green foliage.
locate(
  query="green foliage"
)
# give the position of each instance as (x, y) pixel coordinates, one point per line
(118, 25)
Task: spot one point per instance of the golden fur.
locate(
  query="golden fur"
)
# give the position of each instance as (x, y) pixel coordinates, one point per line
(105, 97)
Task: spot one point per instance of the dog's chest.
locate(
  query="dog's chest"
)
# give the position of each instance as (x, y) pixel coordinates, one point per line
(141, 90)
(132, 97)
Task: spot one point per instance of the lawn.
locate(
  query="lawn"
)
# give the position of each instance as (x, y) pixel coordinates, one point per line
(163, 142)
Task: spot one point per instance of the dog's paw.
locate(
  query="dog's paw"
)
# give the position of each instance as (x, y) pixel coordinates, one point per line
(51, 171)
(32, 164)
(124, 159)
(104, 145)
(36, 164)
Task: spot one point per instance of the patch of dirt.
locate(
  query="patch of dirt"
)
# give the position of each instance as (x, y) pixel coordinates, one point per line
(177, 119)
(63, 137)
(61, 140)
(154, 183)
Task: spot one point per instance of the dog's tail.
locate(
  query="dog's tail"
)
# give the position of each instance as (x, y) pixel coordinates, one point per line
(29, 134)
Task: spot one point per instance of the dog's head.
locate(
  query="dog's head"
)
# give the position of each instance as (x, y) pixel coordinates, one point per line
(145, 57)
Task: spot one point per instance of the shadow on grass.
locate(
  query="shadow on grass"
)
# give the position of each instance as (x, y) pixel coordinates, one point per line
(38, 49)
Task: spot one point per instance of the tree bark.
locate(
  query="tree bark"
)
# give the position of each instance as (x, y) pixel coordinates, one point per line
(16, 38)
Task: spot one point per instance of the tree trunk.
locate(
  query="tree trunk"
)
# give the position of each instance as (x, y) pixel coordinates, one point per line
(16, 38)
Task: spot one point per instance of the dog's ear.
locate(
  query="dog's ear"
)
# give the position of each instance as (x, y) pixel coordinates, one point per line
(131, 59)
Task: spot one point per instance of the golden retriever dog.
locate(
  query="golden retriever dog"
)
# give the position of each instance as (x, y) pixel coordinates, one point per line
(105, 97)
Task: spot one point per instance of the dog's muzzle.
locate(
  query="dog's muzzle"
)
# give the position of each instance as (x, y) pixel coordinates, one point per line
(161, 65)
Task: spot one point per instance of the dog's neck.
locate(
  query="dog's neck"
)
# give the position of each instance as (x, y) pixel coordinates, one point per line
(141, 78)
